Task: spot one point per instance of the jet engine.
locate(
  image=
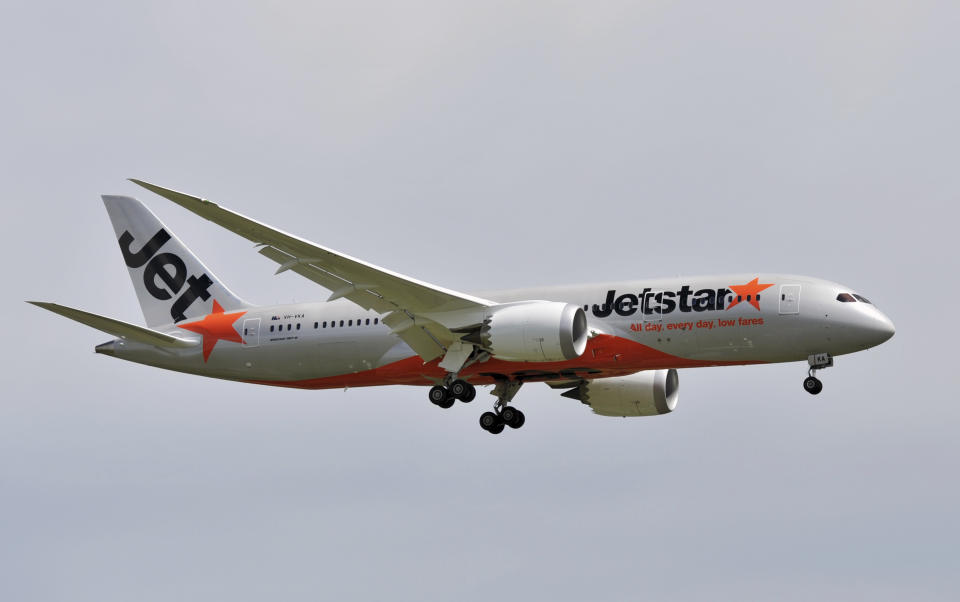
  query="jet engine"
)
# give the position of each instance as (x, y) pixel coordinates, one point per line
(642, 394)
(534, 331)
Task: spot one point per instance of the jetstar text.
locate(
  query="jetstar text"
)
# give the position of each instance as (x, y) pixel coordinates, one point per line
(650, 302)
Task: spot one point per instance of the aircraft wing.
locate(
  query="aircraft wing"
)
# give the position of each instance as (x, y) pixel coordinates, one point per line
(405, 300)
(117, 328)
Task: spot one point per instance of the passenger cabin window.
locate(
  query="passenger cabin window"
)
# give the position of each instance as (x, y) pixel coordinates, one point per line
(846, 298)
(376, 320)
(341, 323)
(862, 298)
(316, 325)
(271, 328)
(298, 325)
(368, 322)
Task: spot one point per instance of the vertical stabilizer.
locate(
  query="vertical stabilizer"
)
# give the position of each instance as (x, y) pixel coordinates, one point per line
(172, 284)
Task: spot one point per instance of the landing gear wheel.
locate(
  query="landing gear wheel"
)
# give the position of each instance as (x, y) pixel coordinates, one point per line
(812, 385)
(512, 417)
(441, 396)
(489, 420)
(496, 429)
(463, 391)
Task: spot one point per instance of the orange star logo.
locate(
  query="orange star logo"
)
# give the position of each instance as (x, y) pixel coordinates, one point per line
(214, 327)
(749, 292)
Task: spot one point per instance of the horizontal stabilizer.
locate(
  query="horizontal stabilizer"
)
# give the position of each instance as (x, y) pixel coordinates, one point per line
(118, 328)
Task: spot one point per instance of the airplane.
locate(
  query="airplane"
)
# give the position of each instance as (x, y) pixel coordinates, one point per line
(615, 347)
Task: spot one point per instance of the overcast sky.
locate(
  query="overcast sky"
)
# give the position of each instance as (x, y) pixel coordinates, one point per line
(482, 146)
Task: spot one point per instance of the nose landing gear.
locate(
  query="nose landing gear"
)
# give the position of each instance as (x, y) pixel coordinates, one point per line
(817, 361)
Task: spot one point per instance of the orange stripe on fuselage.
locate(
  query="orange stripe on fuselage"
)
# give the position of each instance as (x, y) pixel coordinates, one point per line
(605, 356)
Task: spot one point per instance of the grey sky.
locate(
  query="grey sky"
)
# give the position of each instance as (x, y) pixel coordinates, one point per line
(484, 146)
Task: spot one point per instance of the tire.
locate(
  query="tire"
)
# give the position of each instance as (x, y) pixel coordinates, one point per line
(497, 429)
(519, 421)
(459, 388)
(488, 420)
(471, 393)
(812, 385)
(509, 415)
(438, 395)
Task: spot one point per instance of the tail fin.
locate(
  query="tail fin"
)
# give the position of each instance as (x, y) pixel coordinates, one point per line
(171, 283)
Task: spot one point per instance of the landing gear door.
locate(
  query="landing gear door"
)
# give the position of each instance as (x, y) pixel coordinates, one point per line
(652, 308)
(251, 332)
(790, 299)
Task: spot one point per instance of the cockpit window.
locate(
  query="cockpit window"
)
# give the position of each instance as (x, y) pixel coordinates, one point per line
(846, 298)
(862, 298)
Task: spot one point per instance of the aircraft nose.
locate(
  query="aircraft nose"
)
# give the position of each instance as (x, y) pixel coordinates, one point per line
(878, 329)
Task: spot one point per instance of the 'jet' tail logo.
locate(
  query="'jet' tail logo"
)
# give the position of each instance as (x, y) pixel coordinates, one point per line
(165, 274)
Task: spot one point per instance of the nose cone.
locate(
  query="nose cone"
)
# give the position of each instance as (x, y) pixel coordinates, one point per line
(878, 329)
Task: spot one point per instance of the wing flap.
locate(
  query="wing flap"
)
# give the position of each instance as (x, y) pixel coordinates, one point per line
(117, 328)
(428, 339)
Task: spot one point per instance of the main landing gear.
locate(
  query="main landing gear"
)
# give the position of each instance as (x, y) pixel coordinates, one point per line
(446, 396)
(503, 415)
(493, 422)
(817, 361)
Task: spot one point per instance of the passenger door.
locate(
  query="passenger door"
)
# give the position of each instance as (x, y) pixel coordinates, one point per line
(251, 332)
(790, 299)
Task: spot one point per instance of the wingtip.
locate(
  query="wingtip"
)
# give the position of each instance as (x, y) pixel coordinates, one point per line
(143, 184)
(168, 193)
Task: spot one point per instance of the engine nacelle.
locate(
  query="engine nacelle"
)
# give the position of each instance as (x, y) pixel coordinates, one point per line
(642, 394)
(535, 331)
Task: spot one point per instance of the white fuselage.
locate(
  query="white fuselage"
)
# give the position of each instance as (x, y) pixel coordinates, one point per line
(635, 325)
